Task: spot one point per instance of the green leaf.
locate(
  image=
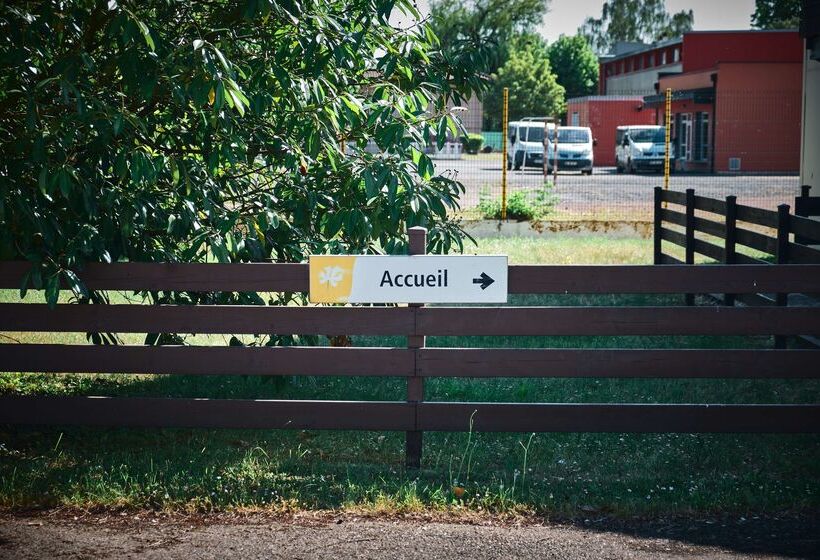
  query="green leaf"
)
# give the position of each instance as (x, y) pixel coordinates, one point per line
(370, 184)
(24, 283)
(219, 251)
(222, 60)
(352, 103)
(425, 167)
(441, 133)
(74, 282)
(52, 286)
(146, 35)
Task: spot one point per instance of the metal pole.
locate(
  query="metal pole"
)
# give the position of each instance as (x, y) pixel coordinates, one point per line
(504, 118)
(667, 141)
(555, 155)
(546, 144)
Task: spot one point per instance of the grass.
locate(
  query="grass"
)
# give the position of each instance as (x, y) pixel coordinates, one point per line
(561, 475)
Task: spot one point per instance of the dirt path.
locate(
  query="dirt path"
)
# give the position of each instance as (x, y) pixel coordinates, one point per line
(151, 537)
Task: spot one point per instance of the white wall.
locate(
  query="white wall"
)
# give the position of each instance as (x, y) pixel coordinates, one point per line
(473, 117)
(638, 83)
(810, 145)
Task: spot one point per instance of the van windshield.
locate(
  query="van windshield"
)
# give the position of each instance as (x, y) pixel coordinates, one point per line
(533, 134)
(654, 135)
(572, 136)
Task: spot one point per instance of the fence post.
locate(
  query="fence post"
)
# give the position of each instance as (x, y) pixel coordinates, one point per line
(656, 234)
(690, 235)
(782, 256)
(800, 209)
(730, 239)
(415, 385)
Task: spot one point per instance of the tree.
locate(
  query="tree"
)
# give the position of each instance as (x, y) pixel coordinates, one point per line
(534, 90)
(634, 20)
(776, 14)
(485, 27)
(169, 130)
(575, 65)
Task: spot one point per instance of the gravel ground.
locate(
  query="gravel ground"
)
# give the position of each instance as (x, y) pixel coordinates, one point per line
(618, 195)
(148, 536)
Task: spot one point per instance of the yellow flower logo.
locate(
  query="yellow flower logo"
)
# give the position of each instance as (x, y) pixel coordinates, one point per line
(331, 278)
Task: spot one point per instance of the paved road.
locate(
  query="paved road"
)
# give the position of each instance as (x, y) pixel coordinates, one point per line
(611, 194)
(150, 537)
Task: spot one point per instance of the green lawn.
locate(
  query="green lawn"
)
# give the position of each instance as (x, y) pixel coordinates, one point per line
(549, 474)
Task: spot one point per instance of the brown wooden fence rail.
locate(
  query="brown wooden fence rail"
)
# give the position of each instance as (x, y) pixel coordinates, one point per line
(416, 362)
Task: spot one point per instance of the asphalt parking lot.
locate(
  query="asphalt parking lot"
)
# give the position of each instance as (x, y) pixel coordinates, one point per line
(608, 194)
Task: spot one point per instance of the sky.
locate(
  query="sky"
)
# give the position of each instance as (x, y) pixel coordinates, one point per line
(565, 16)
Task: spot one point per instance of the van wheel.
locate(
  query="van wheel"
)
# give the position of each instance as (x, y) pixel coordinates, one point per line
(586, 172)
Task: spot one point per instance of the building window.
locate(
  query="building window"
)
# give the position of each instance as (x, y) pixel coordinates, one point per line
(622, 67)
(651, 60)
(701, 140)
(639, 63)
(576, 119)
(676, 55)
(663, 58)
(629, 66)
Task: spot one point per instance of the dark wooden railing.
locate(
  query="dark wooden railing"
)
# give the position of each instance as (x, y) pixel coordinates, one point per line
(730, 222)
(415, 362)
(784, 238)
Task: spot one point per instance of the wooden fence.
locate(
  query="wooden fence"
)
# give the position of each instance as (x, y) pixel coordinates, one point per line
(415, 362)
(737, 225)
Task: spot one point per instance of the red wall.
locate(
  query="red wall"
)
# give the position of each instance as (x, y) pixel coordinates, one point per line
(759, 116)
(702, 50)
(603, 117)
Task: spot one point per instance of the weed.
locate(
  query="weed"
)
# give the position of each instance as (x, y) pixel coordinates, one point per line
(522, 205)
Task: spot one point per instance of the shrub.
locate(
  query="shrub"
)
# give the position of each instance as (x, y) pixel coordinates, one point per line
(522, 205)
(472, 143)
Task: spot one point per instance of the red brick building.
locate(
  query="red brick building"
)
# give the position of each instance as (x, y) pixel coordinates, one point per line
(737, 98)
(736, 106)
(634, 68)
(603, 113)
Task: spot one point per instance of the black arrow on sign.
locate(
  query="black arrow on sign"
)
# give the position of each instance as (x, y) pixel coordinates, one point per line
(484, 280)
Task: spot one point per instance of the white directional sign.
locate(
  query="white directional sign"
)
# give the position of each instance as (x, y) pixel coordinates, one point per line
(408, 279)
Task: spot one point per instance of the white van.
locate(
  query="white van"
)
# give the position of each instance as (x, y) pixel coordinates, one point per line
(525, 143)
(574, 150)
(641, 147)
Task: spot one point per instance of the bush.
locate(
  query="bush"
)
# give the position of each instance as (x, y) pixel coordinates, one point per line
(472, 143)
(522, 205)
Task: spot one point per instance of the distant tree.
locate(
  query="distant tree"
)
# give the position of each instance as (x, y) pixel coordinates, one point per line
(575, 65)
(776, 14)
(534, 90)
(634, 20)
(485, 26)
